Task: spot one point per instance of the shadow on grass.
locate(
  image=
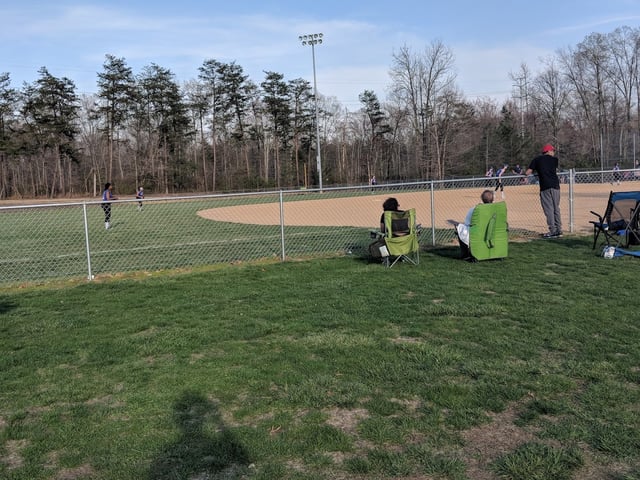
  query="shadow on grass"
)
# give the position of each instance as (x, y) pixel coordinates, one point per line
(452, 252)
(583, 243)
(197, 453)
(6, 305)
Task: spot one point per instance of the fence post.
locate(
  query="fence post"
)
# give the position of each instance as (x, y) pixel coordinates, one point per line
(86, 241)
(572, 172)
(282, 247)
(433, 215)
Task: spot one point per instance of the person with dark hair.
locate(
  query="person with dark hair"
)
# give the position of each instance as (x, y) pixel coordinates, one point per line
(107, 197)
(462, 228)
(390, 205)
(546, 166)
(400, 227)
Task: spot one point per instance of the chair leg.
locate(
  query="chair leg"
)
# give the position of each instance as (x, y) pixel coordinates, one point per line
(390, 263)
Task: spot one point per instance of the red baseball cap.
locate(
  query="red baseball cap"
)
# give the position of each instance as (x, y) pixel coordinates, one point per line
(548, 148)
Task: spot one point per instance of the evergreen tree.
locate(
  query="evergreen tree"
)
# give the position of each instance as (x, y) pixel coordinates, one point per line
(277, 106)
(161, 110)
(116, 86)
(50, 110)
(303, 127)
(378, 127)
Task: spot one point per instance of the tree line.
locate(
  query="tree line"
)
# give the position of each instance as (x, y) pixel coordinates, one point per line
(223, 132)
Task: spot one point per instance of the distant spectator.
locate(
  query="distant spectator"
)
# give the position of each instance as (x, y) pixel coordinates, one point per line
(616, 174)
(489, 174)
(140, 197)
(517, 170)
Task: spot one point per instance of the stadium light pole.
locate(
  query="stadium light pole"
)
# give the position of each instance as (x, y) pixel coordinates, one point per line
(312, 40)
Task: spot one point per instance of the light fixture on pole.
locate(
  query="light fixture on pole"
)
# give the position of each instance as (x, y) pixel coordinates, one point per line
(313, 40)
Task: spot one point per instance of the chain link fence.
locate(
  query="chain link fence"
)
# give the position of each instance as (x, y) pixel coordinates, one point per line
(41, 242)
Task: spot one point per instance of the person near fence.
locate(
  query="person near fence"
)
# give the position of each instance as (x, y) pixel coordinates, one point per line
(373, 182)
(616, 174)
(107, 197)
(499, 173)
(489, 174)
(140, 197)
(517, 170)
(546, 167)
(390, 205)
(462, 228)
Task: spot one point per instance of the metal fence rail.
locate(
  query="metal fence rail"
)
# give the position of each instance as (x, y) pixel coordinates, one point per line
(39, 242)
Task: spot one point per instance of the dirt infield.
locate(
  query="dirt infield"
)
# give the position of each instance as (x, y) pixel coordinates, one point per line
(523, 205)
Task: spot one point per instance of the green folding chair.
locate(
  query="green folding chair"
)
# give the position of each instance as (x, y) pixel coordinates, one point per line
(489, 231)
(401, 237)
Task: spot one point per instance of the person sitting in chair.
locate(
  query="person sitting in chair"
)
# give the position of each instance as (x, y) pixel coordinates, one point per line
(400, 227)
(462, 229)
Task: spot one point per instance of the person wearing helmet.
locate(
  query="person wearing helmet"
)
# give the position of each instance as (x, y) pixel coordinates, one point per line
(546, 167)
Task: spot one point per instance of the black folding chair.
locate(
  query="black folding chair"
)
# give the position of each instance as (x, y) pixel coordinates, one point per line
(619, 222)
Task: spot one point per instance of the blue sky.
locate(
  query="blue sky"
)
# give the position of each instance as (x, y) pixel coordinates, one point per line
(489, 39)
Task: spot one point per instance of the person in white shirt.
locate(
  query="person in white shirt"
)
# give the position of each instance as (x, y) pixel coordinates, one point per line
(462, 228)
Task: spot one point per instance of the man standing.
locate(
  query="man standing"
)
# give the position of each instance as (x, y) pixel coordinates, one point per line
(546, 167)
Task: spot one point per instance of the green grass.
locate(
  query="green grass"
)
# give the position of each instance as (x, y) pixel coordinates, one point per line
(330, 368)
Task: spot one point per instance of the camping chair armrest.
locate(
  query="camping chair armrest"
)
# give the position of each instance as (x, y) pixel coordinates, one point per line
(376, 233)
(600, 219)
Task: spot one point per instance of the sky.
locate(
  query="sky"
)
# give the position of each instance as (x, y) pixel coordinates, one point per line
(489, 39)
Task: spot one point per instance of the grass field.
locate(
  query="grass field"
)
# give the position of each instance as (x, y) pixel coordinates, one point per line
(527, 368)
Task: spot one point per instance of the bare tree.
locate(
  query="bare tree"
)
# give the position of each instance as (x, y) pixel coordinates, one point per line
(624, 45)
(586, 69)
(522, 84)
(420, 82)
(550, 96)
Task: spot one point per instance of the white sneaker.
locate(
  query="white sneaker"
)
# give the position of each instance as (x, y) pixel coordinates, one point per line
(106, 225)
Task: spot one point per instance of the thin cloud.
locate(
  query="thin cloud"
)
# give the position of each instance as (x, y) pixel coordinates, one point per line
(589, 26)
